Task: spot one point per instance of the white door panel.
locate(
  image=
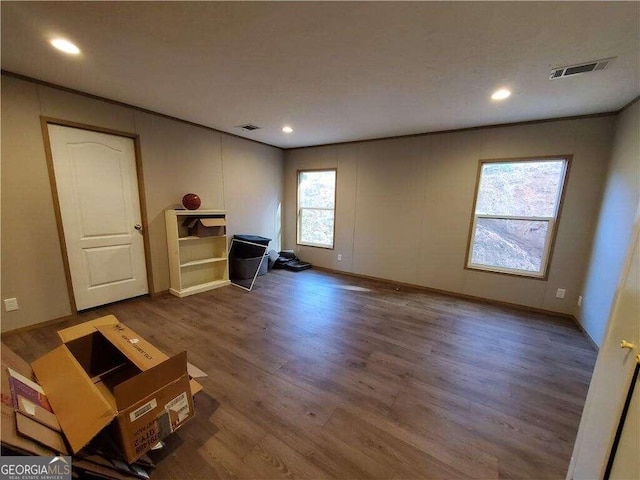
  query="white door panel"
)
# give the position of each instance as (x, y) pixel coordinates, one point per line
(107, 265)
(99, 204)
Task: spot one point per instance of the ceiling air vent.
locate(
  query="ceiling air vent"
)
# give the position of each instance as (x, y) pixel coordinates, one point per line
(248, 127)
(571, 70)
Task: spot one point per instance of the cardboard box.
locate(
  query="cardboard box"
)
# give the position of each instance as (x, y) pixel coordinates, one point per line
(106, 374)
(27, 426)
(23, 434)
(29, 399)
(206, 227)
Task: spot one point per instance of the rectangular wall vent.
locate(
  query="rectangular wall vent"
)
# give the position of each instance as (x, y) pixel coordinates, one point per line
(249, 127)
(571, 70)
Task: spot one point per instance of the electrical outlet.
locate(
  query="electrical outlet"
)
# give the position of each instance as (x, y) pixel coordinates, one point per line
(580, 301)
(339, 257)
(11, 304)
(561, 293)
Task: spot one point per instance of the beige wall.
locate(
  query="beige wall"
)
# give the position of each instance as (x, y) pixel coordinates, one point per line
(177, 158)
(253, 188)
(615, 224)
(404, 205)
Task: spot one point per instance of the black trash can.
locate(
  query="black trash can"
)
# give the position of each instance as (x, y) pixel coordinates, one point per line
(244, 258)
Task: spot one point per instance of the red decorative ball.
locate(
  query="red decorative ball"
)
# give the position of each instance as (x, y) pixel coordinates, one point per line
(191, 201)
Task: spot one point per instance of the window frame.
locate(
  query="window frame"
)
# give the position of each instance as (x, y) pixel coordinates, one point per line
(299, 208)
(553, 222)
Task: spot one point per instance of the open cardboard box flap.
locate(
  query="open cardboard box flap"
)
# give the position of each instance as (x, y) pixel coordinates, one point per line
(26, 432)
(146, 383)
(11, 437)
(137, 349)
(78, 404)
(120, 335)
(72, 333)
(212, 222)
(141, 353)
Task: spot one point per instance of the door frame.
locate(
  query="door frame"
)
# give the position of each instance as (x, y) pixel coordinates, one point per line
(44, 124)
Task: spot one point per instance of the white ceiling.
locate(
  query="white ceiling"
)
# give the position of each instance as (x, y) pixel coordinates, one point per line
(335, 71)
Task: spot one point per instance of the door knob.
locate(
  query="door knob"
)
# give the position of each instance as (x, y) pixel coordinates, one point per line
(138, 227)
(625, 344)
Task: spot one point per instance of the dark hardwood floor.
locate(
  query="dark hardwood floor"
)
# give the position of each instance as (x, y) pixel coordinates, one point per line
(315, 375)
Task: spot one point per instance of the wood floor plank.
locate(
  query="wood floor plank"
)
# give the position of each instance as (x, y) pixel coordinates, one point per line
(518, 446)
(272, 458)
(236, 431)
(434, 439)
(380, 444)
(224, 460)
(318, 375)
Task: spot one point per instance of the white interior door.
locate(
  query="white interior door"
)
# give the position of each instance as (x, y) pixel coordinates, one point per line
(610, 384)
(98, 194)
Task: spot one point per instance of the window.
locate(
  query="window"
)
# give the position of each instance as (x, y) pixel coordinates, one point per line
(316, 207)
(516, 211)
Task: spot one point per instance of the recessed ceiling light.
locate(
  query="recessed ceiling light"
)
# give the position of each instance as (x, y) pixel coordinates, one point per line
(65, 45)
(501, 94)
(287, 129)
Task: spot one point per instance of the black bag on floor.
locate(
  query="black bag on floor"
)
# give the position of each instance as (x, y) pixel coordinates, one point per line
(297, 265)
(289, 261)
(280, 262)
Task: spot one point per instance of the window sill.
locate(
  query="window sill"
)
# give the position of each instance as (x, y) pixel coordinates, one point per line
(511, 273)
(315, 245)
